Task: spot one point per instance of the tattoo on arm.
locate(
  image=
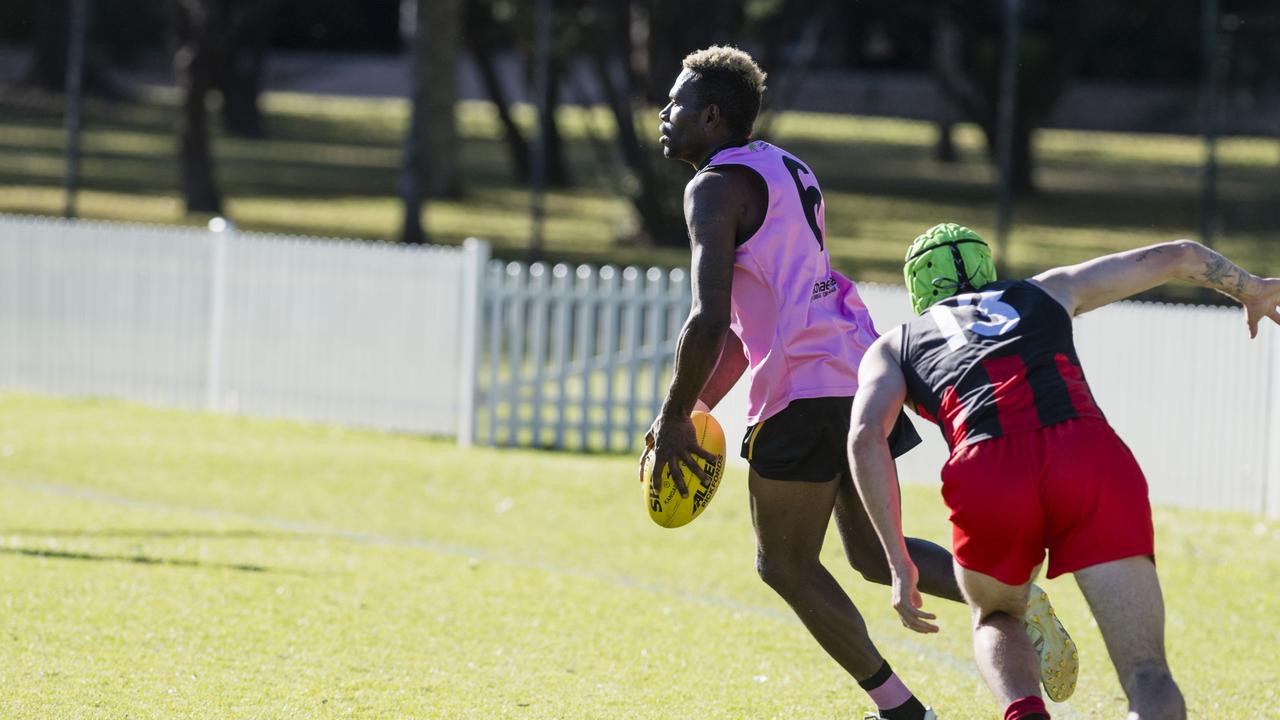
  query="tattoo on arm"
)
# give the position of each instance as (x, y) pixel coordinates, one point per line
(1223, 275)
(1216, 270)
(1218, 273)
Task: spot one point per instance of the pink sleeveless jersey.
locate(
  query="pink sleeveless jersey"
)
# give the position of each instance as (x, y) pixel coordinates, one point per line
(804, 328)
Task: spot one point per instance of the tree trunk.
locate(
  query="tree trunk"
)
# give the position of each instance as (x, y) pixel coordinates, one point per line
(661, 221)
(439, 28)
(1023, 165)
(945, 56)
(964, 58)
(241, 85)
(517, 148)
(945, 149)
(647, 197)
(48, 69)
(1022, 162)
(413, 175)
(193, 66)
(557, 168)
(241, 63)
(484, 35)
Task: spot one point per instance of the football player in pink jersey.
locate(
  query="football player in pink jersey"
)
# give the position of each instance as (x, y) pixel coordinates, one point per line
(766, 301)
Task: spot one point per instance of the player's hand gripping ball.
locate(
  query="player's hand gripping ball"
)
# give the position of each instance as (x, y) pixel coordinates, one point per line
(666, 506)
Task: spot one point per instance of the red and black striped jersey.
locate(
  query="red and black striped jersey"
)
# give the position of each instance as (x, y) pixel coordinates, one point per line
(994, 362)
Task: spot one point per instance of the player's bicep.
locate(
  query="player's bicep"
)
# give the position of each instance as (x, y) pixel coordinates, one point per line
(882, 389)
(710, 211)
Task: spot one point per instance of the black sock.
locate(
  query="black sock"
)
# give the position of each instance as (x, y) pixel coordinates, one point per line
(912, 709)
(909, 710)
(878, 679)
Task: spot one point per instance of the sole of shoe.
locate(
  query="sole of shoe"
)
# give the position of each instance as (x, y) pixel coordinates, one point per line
(1059, 658)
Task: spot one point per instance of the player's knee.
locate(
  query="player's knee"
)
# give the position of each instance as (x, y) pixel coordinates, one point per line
(782, 573)
(872, 566)
(986, 616)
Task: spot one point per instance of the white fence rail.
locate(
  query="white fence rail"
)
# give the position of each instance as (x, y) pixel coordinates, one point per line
(342, 332)
(442, 341)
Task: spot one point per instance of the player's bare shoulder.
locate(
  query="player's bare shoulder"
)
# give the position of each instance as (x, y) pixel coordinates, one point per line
(734, 193)
(884, 353)
(889, 345)
(719, 183)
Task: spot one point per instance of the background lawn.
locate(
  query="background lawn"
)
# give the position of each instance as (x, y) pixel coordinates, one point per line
(160, 564)
(331, 166)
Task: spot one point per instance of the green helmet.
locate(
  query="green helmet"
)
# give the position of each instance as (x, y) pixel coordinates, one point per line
(948, 259)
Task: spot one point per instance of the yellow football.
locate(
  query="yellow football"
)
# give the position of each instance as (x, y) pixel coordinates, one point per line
(666, 507)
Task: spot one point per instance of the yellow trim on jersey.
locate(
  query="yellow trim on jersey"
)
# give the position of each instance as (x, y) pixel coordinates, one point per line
(751, 441)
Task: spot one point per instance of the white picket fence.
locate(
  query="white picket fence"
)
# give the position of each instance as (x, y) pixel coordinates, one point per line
(575, 358)
(443, 341)
(342, 332)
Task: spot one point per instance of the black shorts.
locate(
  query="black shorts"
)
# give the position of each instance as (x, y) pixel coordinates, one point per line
(808, 440)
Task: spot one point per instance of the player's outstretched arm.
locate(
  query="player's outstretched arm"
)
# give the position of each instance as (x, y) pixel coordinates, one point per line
(881, 392)
(1104, 280)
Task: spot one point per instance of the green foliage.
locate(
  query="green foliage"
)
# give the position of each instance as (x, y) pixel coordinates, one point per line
(165, 564)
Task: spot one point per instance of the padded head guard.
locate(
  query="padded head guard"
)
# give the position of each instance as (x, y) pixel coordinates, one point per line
(948, 259)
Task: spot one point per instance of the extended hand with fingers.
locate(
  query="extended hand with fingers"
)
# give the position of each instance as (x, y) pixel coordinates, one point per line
(1262, 301)
(907, 601)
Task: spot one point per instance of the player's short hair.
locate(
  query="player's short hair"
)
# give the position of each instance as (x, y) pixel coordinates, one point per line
(730, 79)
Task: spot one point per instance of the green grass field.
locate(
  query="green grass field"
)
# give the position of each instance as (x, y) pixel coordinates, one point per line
(331, 164)
(160, 564)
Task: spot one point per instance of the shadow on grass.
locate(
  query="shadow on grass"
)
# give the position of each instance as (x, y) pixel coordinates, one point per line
(153, 534)
(162, 119)
(237, 178)
(132, 116)
(242, 174)
(140, 560)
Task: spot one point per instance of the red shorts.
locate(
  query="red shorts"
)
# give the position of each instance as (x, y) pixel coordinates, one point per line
(1072, 488)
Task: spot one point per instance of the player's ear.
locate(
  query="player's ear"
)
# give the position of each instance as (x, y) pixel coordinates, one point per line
(711, 115)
